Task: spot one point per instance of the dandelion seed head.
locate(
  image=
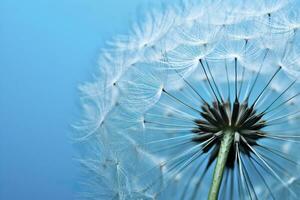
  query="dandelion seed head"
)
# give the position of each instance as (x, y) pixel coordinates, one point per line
(168, 92)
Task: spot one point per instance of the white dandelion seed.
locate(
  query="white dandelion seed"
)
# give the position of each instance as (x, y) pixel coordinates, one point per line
(199, 101)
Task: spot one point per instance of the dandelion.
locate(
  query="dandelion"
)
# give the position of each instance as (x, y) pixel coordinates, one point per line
(201, 101)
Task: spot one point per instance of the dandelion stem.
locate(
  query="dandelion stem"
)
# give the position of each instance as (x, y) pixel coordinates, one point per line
(225, 146)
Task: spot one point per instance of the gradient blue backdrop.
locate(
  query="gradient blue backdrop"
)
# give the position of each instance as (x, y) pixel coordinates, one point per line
(48, 47)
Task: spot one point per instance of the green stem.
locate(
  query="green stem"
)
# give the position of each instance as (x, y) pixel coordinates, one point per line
(226, 143)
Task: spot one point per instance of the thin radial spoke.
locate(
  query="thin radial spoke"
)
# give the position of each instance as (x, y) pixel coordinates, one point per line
(285, 136)
(242, 83)
(190, 85)
(178, 100)
(262, 178)
(169, 172)
(170, 117)
(283, 117)
(177, 111)
(214, 82)
(241, 173)
(248, 178)
(185, 137)
(181, 166)
(235, 79)
(285, 121)
(196, 148)
(187, 152)
(231, 186)
(279, 167)
(171, 125)
(266, 86)
(279, 154)
(292, 133)
(278, 138)
(228, 84)
(247, 90)
(169, 129)
(268, 167)
(210, 85)
(193, 175)
(223, 190)
(257, 75)
(283, 103)
(177, 160)
(282, 93)
(197, 185)
(171, 146)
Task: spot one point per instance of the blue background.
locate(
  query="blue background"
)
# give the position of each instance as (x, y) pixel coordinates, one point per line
(47, 48)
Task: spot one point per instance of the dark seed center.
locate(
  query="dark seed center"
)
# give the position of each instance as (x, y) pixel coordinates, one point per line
(218, 117)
